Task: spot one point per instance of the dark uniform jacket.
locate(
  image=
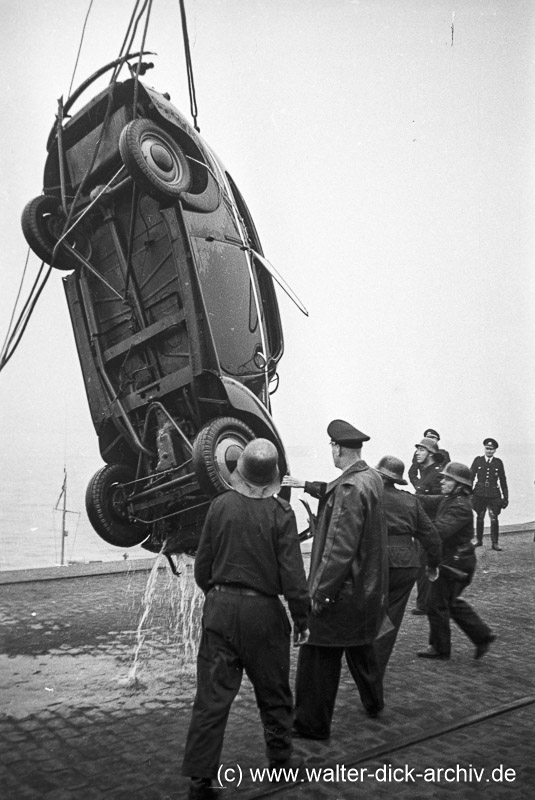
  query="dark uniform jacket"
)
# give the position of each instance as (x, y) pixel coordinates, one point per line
(414, 469)
(454, 522)
(429, 480)
(253, 543)
(405, 518)
(489, 477)
(349, 559)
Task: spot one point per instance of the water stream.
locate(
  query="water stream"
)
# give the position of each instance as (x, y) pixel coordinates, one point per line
(178, 605)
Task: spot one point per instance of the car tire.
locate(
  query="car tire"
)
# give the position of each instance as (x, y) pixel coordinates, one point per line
(154, 160)
(42, 225)
(216, 450)
(104, 504)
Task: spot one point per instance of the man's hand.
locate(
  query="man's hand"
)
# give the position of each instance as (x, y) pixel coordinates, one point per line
(431, 573)
(295, 483)
(505, 503)
(301, 637)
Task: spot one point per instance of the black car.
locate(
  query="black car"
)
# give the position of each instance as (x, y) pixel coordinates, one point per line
(172, 305)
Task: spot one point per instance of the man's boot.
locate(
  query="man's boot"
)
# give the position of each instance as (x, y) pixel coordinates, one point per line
(494, 533)
(202, 789)
(480, 522)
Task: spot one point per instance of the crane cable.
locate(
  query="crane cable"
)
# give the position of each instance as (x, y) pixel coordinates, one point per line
(15, 332)
(189, 67)
(80, 47)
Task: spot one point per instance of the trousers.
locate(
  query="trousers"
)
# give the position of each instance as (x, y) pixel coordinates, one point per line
(422, 582)
(240, 633)
(400, 583)
(318, 678)
(481, 505)
(446, 604)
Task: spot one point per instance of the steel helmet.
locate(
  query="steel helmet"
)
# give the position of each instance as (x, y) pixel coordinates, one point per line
(392, 468)
(458, 472)
(257, 473)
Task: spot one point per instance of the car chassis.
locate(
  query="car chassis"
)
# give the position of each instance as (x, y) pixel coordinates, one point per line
(172, 304)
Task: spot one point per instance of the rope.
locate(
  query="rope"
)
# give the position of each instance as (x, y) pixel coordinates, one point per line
(30, 303)
(127, 43)
(80, 47)
(133, 209)
(189, 67)
(4, 346)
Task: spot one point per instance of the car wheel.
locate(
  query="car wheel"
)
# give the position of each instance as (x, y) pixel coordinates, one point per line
(42, 225)
(154, 160)
(105, 502)
(216, 450)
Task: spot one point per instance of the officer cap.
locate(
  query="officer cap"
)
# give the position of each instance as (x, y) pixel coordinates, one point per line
(490, 443)
(431, 432)
(345, 434)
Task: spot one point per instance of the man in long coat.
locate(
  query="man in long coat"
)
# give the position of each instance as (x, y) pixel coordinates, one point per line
(348, 586)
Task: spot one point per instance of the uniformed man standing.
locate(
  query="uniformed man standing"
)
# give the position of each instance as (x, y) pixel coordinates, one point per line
(407, 524)
(429, 461)
(249, 554)
(490, 491)
(414, 470)
(348, 586)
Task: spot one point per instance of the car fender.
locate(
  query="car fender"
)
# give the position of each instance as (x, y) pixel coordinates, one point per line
(243, 400)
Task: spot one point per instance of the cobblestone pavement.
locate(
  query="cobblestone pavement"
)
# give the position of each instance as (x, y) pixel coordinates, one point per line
(94, 708)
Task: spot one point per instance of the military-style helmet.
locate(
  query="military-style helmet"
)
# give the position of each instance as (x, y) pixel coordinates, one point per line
(458, 472)
(432, 448)
(257, 473)
(392, 468)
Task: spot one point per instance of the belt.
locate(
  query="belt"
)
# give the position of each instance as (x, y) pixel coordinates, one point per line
(399, 539)
(232, 589)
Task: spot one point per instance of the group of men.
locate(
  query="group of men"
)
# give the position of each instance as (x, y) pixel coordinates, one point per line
(369, 542)
(490, 490)
(489, 493)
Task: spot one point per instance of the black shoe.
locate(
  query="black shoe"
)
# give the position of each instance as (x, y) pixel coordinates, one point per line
(202, 789)
(418, 612)
(496, 547)
(299, 733)
(478, 544)
(432, 653)
(374, 711)
(483, 647)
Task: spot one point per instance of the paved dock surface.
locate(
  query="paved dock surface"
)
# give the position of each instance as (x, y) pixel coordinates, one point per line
(97, 676)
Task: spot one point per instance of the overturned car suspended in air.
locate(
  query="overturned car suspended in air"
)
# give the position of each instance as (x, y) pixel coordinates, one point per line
(172, 305)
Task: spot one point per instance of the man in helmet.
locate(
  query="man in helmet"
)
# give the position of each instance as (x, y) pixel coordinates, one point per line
(249, 554)
(414, 471)
(347, 585)
(454, 521)
(490, 491)
(407, 524)
(429, 462)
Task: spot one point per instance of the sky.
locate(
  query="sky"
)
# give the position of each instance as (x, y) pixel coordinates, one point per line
(388, 167)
